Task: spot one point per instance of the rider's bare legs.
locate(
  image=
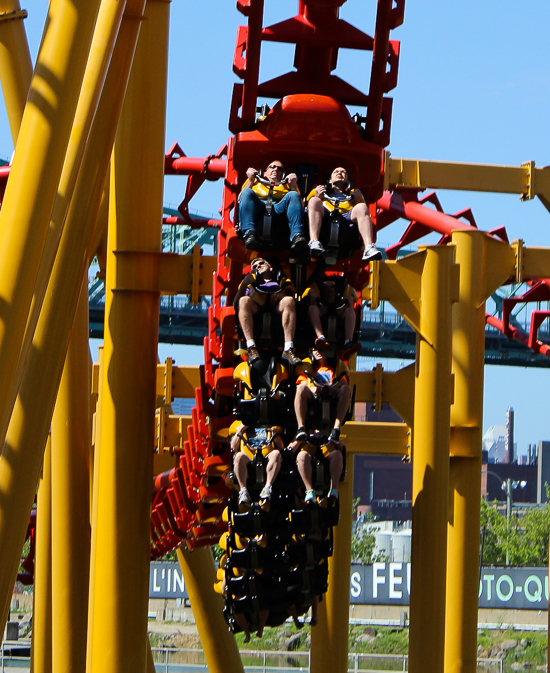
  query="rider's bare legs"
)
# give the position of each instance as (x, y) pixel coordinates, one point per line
(360, 214)
(315, 212)
(247, 309)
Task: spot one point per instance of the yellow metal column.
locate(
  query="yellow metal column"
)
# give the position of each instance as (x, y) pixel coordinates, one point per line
(465, 466)
(121, 556)
(34, 175)
(219, 645)
(70, 502)
(431, 464)
(22, 452)
(15, 62)
(329, 639)
(41, 653)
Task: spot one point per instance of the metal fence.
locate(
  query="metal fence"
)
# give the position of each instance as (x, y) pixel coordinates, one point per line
(172, 660)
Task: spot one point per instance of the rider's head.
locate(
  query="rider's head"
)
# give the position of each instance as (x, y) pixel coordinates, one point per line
(339, 177)
(275, 171)
(261, 267)
(328, 291)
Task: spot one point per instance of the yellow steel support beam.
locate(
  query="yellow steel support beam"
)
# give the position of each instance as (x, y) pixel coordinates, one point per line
(93, 502)
(166, 272)
(219, 644)
(184, 380)
(35, 173)
(431, 463)
(22, 452)
(388, 439)
(70, 502)
(525, 180)
(15, 62)
(465, 448)
(535, 263)
(329, 639)
(399, 283)
(41, 653)
(394, 388)
(120, 591)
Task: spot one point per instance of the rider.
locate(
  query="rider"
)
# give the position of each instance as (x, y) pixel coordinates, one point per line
(257, 288)
(323, 297)
(271, 444)
(324, 377)
(287, 206)
(354, 211)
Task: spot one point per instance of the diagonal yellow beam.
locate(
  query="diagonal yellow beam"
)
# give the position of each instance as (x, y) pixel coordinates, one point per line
(15, 62)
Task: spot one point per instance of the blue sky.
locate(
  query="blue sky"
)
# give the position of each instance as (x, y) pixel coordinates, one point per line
(473, 87)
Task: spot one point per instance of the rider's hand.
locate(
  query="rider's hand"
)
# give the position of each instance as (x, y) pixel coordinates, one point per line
(291, 179)
(251, 174)
(320, 190)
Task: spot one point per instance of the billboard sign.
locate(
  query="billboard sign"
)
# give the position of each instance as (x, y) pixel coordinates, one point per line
(390, 584)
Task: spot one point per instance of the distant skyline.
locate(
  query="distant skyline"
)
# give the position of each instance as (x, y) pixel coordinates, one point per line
(473, 87)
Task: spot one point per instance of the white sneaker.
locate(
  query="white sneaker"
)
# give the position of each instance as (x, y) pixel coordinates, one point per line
(316, 248)
(244, 496)
(371, 253)
(310, 496)
(266, 491)
(333, 493)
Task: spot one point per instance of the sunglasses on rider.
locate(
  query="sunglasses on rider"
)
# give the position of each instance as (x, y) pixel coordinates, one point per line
(257, 263)
(276, 167)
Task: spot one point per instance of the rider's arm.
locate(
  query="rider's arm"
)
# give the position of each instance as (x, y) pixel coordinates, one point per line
(250, 178)
(246, 281)
(291, 179)
(319, 191)
(236, 439)
(357, 197)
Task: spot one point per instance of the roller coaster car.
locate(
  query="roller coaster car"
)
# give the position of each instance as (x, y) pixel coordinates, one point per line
(314, 521)
(308, 553)
(257, 520)
(262, 397)
(317, 129)
(255, 556)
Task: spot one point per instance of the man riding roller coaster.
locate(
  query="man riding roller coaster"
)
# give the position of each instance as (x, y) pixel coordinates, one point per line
(257, 288)
(355, 212)
(285, 201)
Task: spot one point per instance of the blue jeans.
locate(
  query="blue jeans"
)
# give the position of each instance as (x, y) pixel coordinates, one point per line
(286, 211)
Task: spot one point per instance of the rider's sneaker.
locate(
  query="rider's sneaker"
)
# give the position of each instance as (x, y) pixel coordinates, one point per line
(250, 240)
(253, 355)
(299, 244)
(310, 496)
(316, 248)
(291, 357)
(371, 253)
(266, 491)
(321, 344)
(301, 435)
(333, 493)
(244, 496)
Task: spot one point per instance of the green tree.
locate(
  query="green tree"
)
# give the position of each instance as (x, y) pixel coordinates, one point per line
(363, 543)
(524, 538)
